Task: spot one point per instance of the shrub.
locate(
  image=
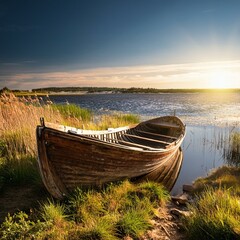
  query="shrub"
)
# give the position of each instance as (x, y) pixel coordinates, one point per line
(19, 226)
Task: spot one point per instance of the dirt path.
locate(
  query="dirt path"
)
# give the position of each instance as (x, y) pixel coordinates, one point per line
(166, 226)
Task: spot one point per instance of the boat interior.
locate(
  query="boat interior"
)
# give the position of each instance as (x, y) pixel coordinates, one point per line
(145, 137)
(150, 135)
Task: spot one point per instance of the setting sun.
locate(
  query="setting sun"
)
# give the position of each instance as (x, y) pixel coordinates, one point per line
(220, 79)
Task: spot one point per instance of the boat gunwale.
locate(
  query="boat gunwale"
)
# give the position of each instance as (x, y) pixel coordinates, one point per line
(84, 138)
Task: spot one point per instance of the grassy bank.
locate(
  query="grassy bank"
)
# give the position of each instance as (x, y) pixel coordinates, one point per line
(121, 210)
(117, 211)
(215, 213)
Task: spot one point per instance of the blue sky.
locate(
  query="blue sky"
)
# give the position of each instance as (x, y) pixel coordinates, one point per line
(117, 43)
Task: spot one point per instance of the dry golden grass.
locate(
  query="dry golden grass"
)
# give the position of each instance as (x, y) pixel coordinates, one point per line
(18, 120)
(20, 116)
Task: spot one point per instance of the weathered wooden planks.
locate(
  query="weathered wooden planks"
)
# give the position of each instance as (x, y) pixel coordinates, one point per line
(92, 158)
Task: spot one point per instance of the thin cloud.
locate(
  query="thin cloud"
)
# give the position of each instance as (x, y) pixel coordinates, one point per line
(190, 75)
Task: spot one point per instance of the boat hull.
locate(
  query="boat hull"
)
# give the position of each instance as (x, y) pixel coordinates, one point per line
(67, 161)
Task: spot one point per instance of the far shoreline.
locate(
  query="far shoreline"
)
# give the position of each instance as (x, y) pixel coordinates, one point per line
(108, 90)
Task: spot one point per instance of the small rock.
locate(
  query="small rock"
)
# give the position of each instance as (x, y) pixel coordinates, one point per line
(180, 213)
(181, 199)
(127, 238)
(188, 188)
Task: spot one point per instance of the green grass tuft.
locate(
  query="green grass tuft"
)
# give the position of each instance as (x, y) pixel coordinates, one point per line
(128, 118)
(53, 212)
(73, 111)
(155, 192)
(134, 223)
(215, 215)
(97, 229)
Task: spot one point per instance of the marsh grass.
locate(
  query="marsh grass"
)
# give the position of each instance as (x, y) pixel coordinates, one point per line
(92, 207)
(113, 121)
(226, 177)
(216, 209)
(232, 150)
(215, 215)
(96, 229)
(121, 205)
(23, 171)
(18, 120)
(222, 184)
(134, 223)
(73, 111)
(53, 212)
(152, 191)
(92, 214)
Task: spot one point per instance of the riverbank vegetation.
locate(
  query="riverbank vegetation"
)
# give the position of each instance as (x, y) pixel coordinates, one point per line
(215, 213)
(89, 90)
(119, 210)
(127, 90)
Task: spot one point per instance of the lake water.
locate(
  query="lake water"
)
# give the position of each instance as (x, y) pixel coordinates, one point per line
(209, 117)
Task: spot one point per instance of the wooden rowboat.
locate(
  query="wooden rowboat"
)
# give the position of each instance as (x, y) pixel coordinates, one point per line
(70, 157)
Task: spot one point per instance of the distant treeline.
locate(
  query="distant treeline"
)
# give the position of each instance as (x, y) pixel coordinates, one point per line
(74, 89)
(126, 90)
(7, 90)
(49, 90)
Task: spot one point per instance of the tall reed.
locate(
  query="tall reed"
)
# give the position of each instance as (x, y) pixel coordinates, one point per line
(231, 151)
(18, 120)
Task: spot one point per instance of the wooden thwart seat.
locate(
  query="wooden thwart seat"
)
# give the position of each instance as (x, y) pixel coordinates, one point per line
(165, 125)
(156, 134)
(147, 139)
(144, 147)
(122, 142)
